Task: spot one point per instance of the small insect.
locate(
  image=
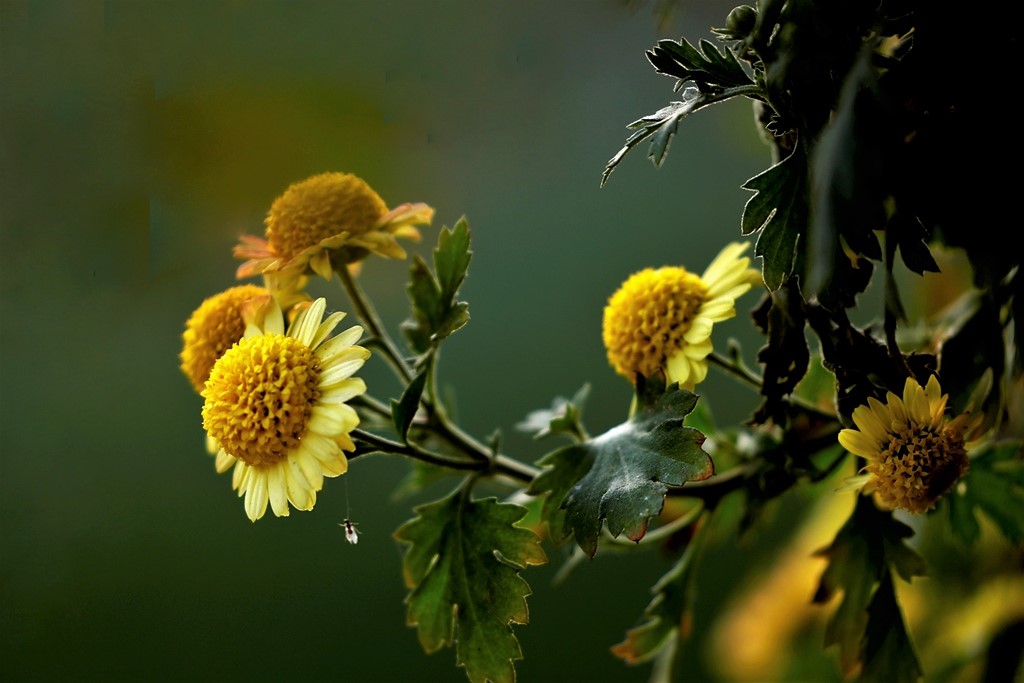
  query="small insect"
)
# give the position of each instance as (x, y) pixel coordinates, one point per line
(351, 533)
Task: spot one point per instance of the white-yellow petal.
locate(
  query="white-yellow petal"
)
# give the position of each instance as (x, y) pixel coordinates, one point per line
(859, 443)
(256, 496)
(277, 489)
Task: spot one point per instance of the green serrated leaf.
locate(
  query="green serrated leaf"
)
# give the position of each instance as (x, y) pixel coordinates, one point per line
(463, 570)
(455, 319)
(888, 652)
(451, 258)
(436, 313)
(620, 477)
(667, 613)
(785, 355)
(994, 487)
(861, 553)
(780, 210)
(404, 410)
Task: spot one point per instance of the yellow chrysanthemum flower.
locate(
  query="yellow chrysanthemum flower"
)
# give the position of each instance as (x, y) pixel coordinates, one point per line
(213, 328)
(276, 404)
(325, 221)
(219, 323)
(661, 320)
(915, 453)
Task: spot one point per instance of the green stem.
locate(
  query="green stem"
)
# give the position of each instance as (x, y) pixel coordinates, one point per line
(367, 313)
(741, 372)
(500, 464)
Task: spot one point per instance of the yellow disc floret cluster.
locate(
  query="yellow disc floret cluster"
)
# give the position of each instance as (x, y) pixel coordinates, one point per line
(320, 207)
(212, 329)
(260, 397)
(915, 453)
(660, 320)
(646, 319)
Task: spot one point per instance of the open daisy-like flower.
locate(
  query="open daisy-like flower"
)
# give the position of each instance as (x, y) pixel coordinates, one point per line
(328, 220)
(661, 319)
(276, 405)
(915, 453)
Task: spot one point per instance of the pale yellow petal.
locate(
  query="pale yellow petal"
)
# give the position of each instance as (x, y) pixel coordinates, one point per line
(306, 322)
(339, 343)
(859, 443)
(223, 462)
(325, 328)
(342, 370)
(678, 369)
(256, 497)
(343, 391)
(724, 263)
(311, 470)
(298, 493)
(698, 351)
(238, 475)
(868, 422)
(717, 309)
(277, 489)
(700, 330)
(320, 263)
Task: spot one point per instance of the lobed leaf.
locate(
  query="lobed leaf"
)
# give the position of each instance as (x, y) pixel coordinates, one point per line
(859, 558)
(993, 487)
(462, 568)
(780, 209)
(667, 616)
(436, 313)
(620, 478)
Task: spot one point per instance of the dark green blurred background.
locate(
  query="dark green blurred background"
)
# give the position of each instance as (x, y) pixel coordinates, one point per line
(140, 139)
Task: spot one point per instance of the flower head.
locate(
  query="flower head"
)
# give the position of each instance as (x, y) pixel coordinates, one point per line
(325, 221)
(219, 323)
(661, 320)
(276, 405)
(213, 328)
(915, 453)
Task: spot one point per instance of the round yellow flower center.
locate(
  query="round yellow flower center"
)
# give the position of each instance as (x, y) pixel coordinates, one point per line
(213, 329)
(320, 207)
(260, 396)
(918, 466)
(645, 320)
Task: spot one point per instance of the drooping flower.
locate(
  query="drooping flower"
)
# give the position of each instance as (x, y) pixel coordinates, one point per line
(325, 221)
(661, 319)
(915, 452)
(276, 405)
(218, 324)
(212, 329)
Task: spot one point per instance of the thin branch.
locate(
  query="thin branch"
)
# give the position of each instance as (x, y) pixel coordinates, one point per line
(374, 326)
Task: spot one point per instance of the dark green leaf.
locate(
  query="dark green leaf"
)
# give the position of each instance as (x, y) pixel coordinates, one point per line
(451, 258)
(785, 356)
(668, 612)
(403, 411)
(993, 486)
(861, 553)
(780, 210)
(462, 568)
(621, 477)
(436, 313)
(888, 653)
(708, 67)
